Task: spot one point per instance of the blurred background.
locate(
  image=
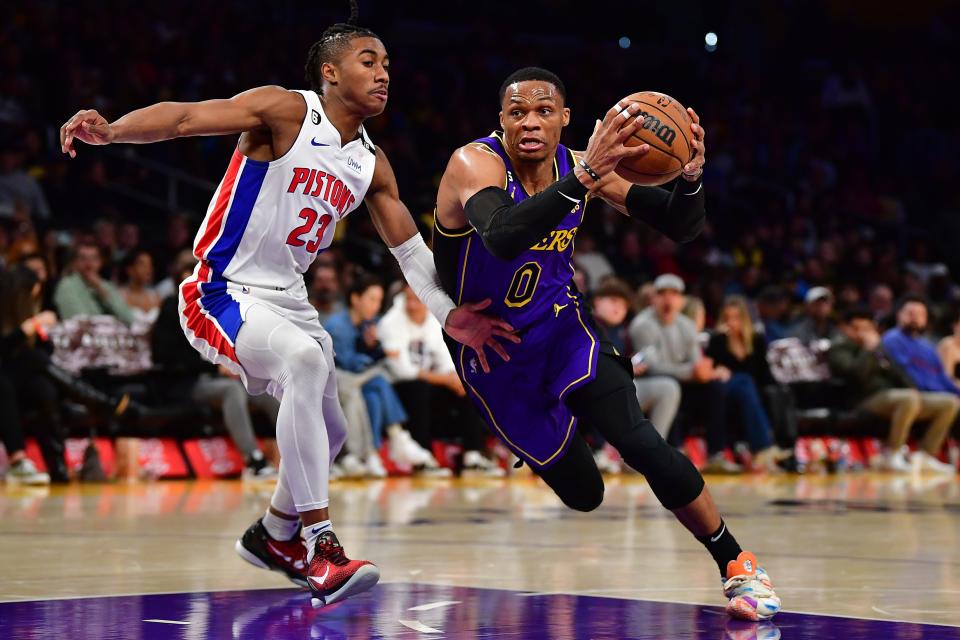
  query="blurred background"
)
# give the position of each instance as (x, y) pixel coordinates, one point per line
(831, 150)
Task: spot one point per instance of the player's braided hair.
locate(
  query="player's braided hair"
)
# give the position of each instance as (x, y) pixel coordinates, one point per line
(331, 44)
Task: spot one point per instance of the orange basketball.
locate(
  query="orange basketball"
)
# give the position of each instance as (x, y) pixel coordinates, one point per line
(666, 128)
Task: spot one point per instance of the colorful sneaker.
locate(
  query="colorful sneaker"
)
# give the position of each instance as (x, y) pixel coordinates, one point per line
(749, 589)
(286, 556)
(332, 576)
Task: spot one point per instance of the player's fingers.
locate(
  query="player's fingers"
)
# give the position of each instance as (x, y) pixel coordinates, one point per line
(478, 306)
(506, 335)
(496, 346)
(482, 357)
(693, 115)
(698, 132)
(629, 129)
(503, 324)
(636, 152)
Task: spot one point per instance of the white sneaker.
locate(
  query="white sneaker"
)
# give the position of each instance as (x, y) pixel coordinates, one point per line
(432, 468)
(265, 472)
(476, 463)
(24, 472)
(896, 461)
(605, 462)
(352, 467)
(400, 450)
(335, 471)
(374, 466)
(927, 462)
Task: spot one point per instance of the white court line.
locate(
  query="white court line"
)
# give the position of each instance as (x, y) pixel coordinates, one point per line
(166, 621)
(416, 625)
(434, 605)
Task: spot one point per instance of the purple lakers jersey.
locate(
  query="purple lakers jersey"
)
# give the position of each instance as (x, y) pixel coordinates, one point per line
(522, 400)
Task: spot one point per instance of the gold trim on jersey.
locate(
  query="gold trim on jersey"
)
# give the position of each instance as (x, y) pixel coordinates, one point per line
(496, 426)
(446, 233)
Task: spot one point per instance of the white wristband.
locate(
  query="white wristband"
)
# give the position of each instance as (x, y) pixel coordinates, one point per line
(416, 263)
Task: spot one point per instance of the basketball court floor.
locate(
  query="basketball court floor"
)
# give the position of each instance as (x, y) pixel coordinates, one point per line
(855, 556)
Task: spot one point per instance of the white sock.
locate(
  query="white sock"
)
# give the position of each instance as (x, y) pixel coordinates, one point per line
(311, 533)
(280, 528)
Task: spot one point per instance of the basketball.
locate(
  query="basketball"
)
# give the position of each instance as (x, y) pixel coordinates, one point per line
(666, 128)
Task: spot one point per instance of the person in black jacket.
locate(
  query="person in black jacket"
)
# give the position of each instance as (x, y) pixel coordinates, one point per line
(30, 380)
(736, 346)
(202, 382)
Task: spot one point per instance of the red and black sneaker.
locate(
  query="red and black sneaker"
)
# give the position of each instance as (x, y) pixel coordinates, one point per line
(332, 576)
(259, 549)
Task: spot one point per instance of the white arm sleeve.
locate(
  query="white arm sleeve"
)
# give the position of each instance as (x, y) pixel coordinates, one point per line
(416, 263)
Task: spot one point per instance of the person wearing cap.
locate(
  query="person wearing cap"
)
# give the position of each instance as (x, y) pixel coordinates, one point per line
(816, 321)
(670, 346)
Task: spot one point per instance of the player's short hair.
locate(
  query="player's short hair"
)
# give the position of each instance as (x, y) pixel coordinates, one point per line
(331, 45)
(533, 73)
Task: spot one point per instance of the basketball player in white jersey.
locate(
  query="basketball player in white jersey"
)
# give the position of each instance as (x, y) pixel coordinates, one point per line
(303, 162)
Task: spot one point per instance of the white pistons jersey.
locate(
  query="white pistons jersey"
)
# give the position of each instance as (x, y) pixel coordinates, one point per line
(266, 223)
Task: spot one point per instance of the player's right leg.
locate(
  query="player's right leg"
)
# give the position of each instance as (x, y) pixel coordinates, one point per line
(309, 432)
(609, 403)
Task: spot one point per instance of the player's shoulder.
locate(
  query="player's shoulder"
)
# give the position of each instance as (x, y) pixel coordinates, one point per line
(474, 156)
(276, 100)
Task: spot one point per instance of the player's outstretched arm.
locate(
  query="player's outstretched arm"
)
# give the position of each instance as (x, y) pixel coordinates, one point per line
(393, 221)
(508, 228)
(260, 108)
(677, 213)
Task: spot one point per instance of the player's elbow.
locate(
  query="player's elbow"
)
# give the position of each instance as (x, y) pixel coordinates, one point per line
(502, 246)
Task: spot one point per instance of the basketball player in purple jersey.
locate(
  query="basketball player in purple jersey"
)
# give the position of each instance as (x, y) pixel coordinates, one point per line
(303, 162)
(508, 209)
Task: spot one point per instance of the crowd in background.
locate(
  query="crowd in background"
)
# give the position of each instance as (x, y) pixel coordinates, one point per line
(830, 195)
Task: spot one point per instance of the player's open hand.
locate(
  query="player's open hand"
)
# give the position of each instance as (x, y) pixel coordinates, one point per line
(693, 169)
(606, 147)
(87, 126)
(468, 326)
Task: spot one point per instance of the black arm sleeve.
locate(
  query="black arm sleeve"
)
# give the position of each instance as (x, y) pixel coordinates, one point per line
(508, 228)
(678, 214)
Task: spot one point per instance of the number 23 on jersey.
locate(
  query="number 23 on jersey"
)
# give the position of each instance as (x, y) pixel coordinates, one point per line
(310, 219)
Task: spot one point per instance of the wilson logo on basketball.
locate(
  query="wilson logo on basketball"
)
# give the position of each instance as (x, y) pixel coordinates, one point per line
(663, 131)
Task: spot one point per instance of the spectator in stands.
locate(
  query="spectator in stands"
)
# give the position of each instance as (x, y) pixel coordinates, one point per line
(881, 305)
(19, 191)
(39, 384)
(85, 293)
(203, 383)
(816, 323)
(358, 351)
(879, 386)
(182, 261)
(138, 291)
(669, 341)
(917, 357)
(949, 348)
(694, 309)
(772, 308)
(611, 306)
(325, 292)
(737, 346)
(427, 382)
(38, 264)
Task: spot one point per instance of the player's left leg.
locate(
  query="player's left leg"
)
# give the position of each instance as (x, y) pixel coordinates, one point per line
(610, 404)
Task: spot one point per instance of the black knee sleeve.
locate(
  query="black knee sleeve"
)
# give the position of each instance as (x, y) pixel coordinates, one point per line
(610, 404)
(670, 474)
(585, 499)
